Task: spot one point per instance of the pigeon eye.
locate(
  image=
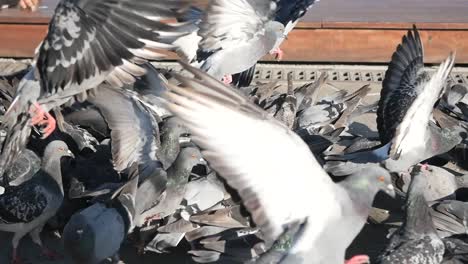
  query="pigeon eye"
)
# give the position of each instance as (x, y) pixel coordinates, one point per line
(61, 149)
(381, 178)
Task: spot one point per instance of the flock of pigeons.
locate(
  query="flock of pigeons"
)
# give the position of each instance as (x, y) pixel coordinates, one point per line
(105, 148)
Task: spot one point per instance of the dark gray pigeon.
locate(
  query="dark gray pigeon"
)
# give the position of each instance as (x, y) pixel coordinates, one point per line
(456, 249)
(171, 131)
(417, 241)
(218, 118)
(97, 232)
(177, 178)
(25, 209)
(450, 217)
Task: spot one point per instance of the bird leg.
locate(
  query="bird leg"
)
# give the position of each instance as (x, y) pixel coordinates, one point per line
(50, 254)
(36, 238)
(41, 117)
(278, 52)
(15, 259)
(358, 259)
(227, 79)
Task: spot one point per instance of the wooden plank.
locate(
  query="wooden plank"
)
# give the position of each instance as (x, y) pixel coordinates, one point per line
(369, 45)
(20, 40)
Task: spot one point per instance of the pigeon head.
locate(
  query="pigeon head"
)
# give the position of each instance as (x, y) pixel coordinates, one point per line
(373, 178)
(188, 158)
(57, 148)
(94, 234)
(79, 240)
(278, 31)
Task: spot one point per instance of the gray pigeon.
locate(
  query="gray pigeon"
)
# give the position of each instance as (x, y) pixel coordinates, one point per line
(134, 131)
(225, 124)
(171, 131)
(407, 100)
(97, 232)
(88, 42)
(450, 217)
(417, 240)
(23, 168)
(25, 209)
(177, 178)
(235, 35)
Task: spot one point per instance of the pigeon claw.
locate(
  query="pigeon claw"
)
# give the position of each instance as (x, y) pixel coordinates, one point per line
(279, 53)
(227, 79)
(15, 259)
(50, 254)
(43, 118)
(358, 259)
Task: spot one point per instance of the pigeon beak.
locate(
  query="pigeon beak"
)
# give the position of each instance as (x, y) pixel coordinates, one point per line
(70, 154)
(390, 190)
(203, 161)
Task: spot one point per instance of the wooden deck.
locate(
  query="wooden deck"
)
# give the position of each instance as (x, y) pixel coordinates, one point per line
(358, 31)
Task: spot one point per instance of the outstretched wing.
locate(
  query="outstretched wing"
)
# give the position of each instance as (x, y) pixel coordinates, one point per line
(94, 41)
(228, 23)
(399, 88)
(268, 164)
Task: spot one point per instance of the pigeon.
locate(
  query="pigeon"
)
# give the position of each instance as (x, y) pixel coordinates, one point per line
(24, 209)
(97, 232)
(134, 131)
(87, 43)
(456, 249)
(177, 178)
(288, 13)
(450, 217)
(407, 134)
(417, 240)
(239, 32)
(407, 100)
(22, 169)
(171, 131)
(214, 113)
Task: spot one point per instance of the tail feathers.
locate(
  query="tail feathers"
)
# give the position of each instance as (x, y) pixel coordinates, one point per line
(244, 78)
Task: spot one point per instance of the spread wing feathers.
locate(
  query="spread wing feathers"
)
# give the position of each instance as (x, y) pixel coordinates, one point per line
(23, 203)
(258, 156)
(132, 128)
(92, 41)
(399, 88)
(229, 23)
(412, 130)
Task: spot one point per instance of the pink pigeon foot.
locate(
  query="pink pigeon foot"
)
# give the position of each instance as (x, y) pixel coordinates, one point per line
(15, 259)
(279, 53)
(41, 117)
(152, 218)
(51, 255)
(358, 259)
(227, 79)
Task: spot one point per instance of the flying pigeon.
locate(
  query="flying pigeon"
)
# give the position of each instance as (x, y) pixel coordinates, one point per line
(235, 35)
(88, 42)
(25, 209)
(407, 101)
(225, 124)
